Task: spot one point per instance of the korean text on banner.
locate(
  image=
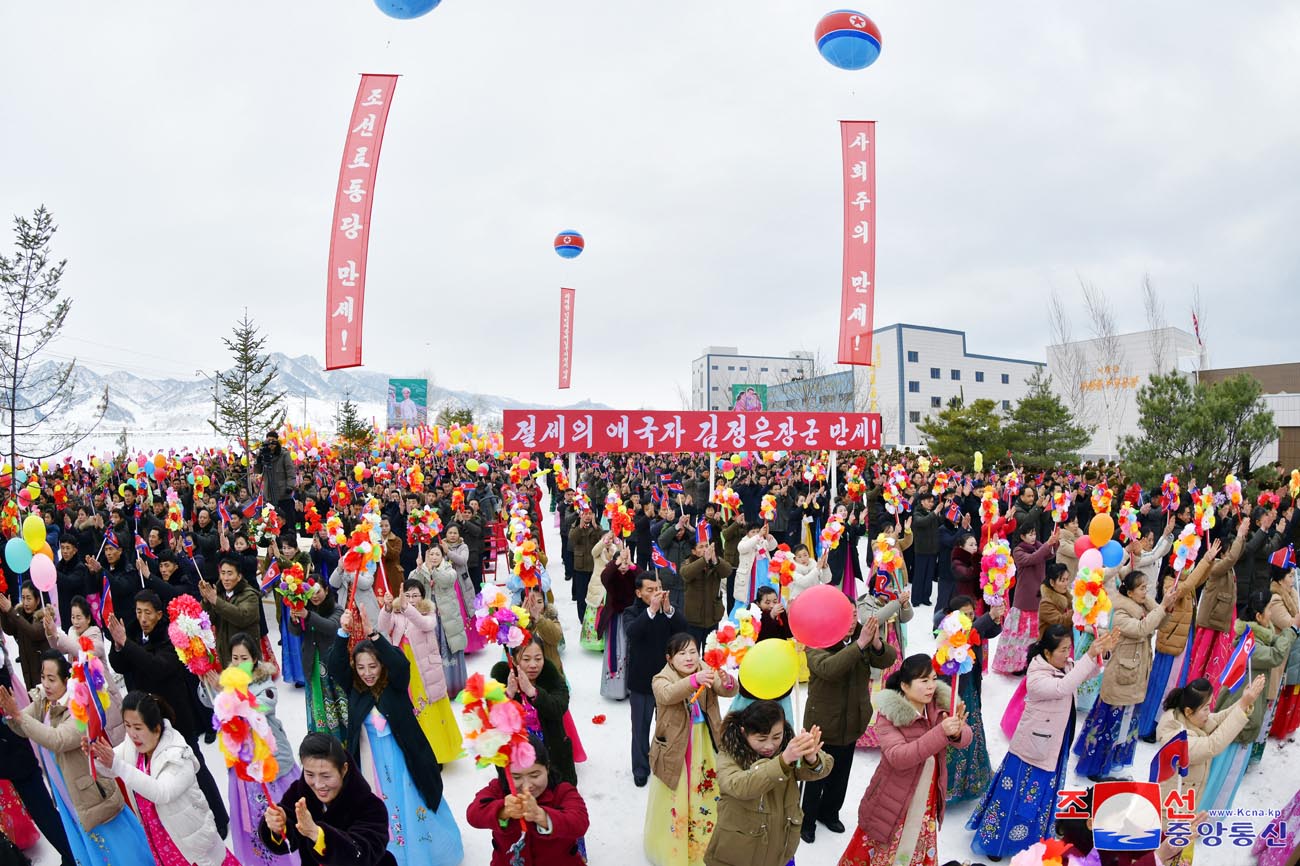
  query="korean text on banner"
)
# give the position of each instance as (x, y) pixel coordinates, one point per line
(614, 432)
(857, 294)
(566, 336)
(350, 231)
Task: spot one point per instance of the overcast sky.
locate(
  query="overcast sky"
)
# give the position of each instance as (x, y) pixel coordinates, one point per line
(190, 153)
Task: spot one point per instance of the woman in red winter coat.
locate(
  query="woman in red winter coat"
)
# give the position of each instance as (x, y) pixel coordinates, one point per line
(900, 813)
(966, 572)
(1020, 630)
(553, 812)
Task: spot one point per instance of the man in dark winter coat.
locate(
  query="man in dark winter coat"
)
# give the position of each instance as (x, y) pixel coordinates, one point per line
(276, 468)
(148, 662)
(649, 623)
(925, 548)
(703, 574)
(74, 579)
(676, 540)
(839, 701)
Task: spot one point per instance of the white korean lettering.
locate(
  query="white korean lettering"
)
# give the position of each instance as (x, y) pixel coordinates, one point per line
(366, 128)
(785, 431)
(376, 97)
(860, 201)
(860, 141)
(862, 232)
(861, 283)
(858, 171)
(348, 274)
(859, 315)
(707, 437)
(811, 433)
(673, 431)
(354, 191)
(581, 431)
(555, 430)
(351, 226)
(344, 309)
(736, 434)
(647, 431)
(359, 158)
(618, 430)
(526, 432)
(761, 436)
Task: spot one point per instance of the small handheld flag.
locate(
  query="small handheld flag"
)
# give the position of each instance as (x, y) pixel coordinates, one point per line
(703, 532)
(251, 508)
(953, 513)
(1234, 673)
(271, 576)
(105, 602)
(1283, 558)
(1171, 758)
(223, 513)
(142, 548)
(658, 558)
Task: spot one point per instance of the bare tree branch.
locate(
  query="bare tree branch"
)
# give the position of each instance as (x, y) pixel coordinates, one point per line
(1156, 325)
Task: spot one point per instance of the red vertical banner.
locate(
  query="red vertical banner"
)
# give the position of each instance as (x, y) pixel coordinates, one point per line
(566, 336)
(857, 294)
(350, 231)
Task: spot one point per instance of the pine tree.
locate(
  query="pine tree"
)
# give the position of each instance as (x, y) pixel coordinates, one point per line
(31, 315)
(1040, 430)
(248, 404)
(351, 430)
(448, 415)
(958, 431)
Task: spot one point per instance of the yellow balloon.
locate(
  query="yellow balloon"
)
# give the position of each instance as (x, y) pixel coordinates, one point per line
(770, 669)
(133, 467)
(979, 461)
(34, 532)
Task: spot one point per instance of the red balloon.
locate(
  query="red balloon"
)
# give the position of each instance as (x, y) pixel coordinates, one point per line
(1081, 544)
(821, 616)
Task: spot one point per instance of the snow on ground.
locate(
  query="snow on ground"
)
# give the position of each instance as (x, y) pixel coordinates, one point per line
(617, 806)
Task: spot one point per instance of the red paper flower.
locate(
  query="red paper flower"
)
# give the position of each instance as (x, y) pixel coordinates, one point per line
(598, 720)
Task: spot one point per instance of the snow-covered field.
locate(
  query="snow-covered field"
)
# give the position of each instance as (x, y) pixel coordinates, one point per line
(617, 807)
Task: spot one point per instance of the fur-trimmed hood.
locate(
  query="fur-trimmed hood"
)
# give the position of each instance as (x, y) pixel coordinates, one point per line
(899, 710)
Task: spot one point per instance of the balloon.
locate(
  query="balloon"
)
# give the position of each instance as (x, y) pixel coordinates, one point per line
(770, 668)
(569, 244)
(34, 532)
(979, 461)
(730, 474)
(406, 9)
(18, 556)
(482, 470)
(821, 616)
(45, 549)
(1112, 554)
(848, 39)
(1091, 559)
(471, 464)
(44, 575)
(159, 460)
(1101, 529)
(1081, 544)
(21, 476)
(132, 467)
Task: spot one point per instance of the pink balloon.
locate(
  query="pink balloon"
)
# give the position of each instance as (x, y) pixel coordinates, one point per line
(43, 572)
(1090, 558)
(821, 616)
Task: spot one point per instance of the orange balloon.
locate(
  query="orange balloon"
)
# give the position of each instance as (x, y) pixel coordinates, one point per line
(45, 549)
(1101, 529)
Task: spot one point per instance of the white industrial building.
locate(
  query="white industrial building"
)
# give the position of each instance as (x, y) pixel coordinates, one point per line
(1099, 379)
(720, 367)
(920, 368)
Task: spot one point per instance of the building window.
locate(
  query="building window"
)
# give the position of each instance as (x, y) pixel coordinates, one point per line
(979, 375)
(956, 375)
(1006, 405)
(732, 368)
(715, 387)
(1006, 378)
(714, 367)
(913, 357)
(934, 372)
(914, 417)
(914, 387)
(785, 369)
(762, 369)
(936, 403)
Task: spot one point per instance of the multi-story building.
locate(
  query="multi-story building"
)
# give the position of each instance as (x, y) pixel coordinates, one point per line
(1281, 386)
(1099, 379)
(721, 374)
(920, 368)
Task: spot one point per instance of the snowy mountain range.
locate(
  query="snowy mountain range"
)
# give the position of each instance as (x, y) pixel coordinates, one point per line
(166, 412)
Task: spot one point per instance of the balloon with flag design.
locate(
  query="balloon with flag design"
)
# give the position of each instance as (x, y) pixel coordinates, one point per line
(569, 244)
(848, 39)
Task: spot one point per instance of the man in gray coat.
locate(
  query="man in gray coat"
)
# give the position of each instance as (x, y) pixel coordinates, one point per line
(276, 468)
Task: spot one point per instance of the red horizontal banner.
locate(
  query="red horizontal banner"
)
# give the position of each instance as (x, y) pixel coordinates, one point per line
(614, 432)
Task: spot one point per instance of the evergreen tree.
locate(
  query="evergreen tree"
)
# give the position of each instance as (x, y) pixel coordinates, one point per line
(1040, 430)
(351, 430)
(1208, 430)
(958, 431)
(248, 403)
(450, 415)
(31, 315)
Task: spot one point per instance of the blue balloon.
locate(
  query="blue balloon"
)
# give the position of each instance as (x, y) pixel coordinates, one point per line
(569, 244)
(405, 9)
(21, 477)
(18, 556)
(1112, 554)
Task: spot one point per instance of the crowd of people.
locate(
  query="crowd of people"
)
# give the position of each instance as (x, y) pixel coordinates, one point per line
(378, 655)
